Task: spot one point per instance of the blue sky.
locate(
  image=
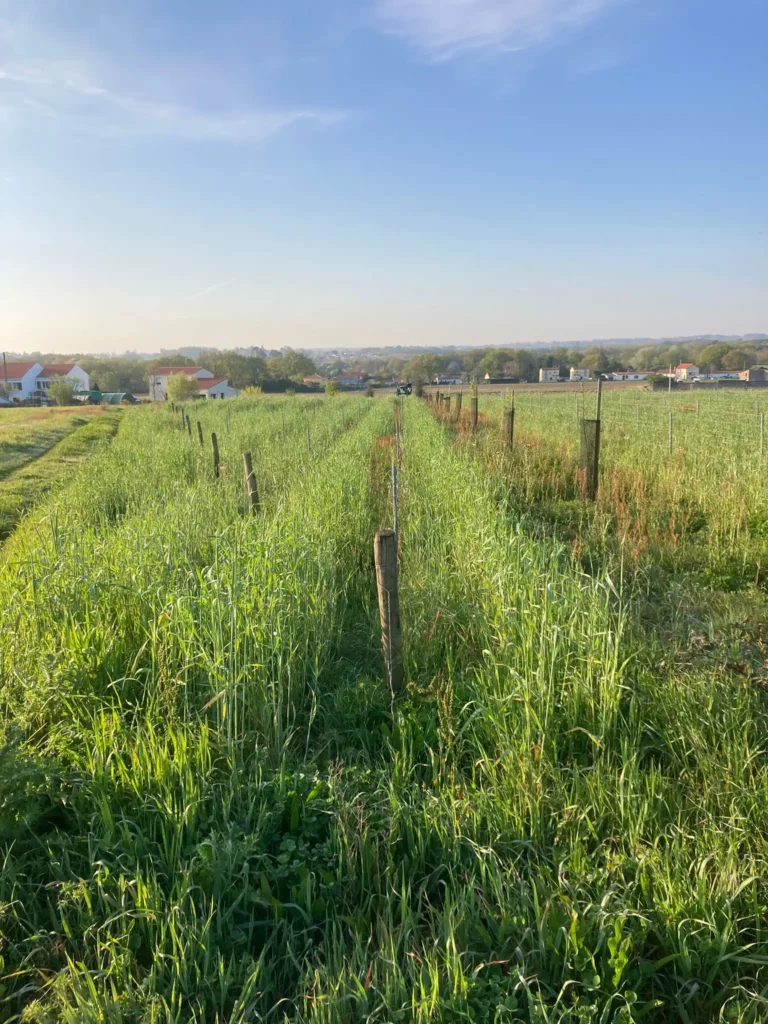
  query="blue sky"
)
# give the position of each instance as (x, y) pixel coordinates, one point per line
(330, 172)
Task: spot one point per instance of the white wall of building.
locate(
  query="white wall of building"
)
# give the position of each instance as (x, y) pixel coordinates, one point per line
(20, 387)
(158, 381)
(222, 390)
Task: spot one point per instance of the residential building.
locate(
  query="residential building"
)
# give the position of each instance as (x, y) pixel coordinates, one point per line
(722, 375)
(20, 379)
(549, 375)
(687, 371)
(755, 373)
(218, 387)
(314, 381)
(623, 375)
(352, 379)
(580, 373)
(71, 372)
(450, 380)
(159, 377)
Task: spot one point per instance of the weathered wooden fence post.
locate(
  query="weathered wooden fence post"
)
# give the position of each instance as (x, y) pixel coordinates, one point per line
(457, 407)
(200, 433)
(215, 446)
(189, 425)
(589, 455)
(509, 427)
(473, 411)
(385, 555)
(447, 404)
(250, 481)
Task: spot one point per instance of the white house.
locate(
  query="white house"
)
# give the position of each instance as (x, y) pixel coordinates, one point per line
(580, 373)
(71, 372)
(628, 375)
(218, 387)
(159, 377)
(20, 378)
(686, 371)
(549, 375)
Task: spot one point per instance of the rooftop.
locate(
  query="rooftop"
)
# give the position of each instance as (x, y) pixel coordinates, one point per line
(14, 371)
(57, 369)
(166, 371)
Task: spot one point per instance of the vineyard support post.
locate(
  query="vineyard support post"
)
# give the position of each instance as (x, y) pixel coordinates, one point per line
(457, 407)
(385, 555)
(250, 482)
(215, 447)
(509, 427)
(473, 411)
(200, 433)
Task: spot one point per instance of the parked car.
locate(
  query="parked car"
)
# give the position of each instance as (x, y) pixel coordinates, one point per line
(405, 389)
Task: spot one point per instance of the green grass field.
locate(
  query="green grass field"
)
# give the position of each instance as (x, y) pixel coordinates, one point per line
(211, 809)
(26, 434)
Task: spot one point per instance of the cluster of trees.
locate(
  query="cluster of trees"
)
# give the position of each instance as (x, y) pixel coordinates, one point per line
(242, 371)
(525, 363)
(275, 371)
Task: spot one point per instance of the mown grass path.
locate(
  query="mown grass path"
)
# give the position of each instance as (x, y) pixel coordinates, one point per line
(47, 460)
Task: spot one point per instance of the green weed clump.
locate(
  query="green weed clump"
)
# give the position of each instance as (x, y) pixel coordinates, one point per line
(210, 809)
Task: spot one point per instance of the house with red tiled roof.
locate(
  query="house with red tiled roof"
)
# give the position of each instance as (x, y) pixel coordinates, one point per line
(208, 385)
(19, 380)
(352, 379)
(71, 372)
(159, 377)
(687, 371)
(28, 379)
(218, 387)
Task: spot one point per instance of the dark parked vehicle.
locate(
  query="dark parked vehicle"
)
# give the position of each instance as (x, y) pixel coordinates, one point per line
(404, 389)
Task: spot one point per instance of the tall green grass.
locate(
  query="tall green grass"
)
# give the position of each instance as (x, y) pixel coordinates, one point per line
(210, 811)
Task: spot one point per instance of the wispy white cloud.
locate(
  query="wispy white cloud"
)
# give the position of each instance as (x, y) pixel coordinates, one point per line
(447, 28)
(37, 82)
(91, 109)
(210, 289)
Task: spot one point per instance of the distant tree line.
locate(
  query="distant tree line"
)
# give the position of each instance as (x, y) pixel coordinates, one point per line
(276, 372)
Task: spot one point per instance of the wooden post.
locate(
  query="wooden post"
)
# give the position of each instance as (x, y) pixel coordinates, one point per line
(509, 427)
(473, 411)
(250, 482)
(215, 446)
(457, 406)
(447, 403)
(200, 433)
(189, 425)
(599, 397)
(385, 555)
